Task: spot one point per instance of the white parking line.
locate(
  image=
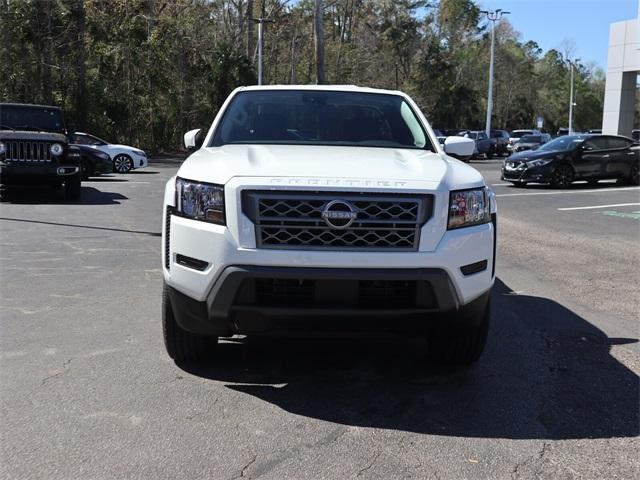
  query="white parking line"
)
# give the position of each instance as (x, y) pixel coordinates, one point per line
(501, 184)
(599, 206)
(564, 192)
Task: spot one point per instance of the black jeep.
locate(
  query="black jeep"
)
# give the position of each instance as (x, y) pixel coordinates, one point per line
(35, 150)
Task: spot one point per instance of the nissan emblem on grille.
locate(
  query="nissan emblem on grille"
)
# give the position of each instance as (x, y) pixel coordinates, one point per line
(339, 214)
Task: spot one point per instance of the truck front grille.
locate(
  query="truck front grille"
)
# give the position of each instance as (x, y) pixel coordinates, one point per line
(337, 220)
(28, 151)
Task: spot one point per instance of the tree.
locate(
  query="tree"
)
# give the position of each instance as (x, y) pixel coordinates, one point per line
(144, 71)
(318, 35)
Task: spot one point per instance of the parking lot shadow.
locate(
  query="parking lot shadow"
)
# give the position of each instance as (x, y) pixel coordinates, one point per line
(547, 373)
(51, 196)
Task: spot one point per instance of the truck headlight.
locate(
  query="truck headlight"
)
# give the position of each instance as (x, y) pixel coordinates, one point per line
(468, 208)
(200, 201)
(56, 149)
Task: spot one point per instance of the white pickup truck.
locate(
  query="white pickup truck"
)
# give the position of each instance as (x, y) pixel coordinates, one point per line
(326, 209)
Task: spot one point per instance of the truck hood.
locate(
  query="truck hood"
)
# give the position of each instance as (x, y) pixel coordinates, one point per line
(220, 164)
(29, 135)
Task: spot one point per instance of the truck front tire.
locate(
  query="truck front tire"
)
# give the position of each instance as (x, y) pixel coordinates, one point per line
(73, 186)
(181, 345)
(460, 346)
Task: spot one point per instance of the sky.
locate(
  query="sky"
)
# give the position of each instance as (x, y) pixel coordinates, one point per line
(549, 22)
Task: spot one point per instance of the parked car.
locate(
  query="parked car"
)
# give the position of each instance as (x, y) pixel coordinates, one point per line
(442, 137)
(35, 150)
(530, 142)
(94, 162)
(635, 134)
(124, 158)
(595, 130)
(283, 222)
(484, 145)
(502, 140)
(575, 157)
(516, 135)
(455, 132)
(562, 131)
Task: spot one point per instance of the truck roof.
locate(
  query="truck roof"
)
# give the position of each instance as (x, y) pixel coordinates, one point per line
(330, 88)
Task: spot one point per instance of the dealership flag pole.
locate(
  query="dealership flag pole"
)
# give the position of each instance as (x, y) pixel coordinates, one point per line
(260, 21)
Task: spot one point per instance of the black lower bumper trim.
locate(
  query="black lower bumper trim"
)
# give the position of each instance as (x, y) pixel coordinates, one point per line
(534, 175)
(323, 300)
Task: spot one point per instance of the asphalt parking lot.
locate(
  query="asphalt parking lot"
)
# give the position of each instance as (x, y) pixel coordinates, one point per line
(88, 391)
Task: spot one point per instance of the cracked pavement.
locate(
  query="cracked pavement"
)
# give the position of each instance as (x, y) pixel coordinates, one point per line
(87, 390)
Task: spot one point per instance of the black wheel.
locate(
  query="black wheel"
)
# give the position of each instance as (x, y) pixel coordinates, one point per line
(461, 347)
(73, 186)
(87, 169)
(562, 176)
(122, 163)
(634, 175)
(181, 345)
(489, 154)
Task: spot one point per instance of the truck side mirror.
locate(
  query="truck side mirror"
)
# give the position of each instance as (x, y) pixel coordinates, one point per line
(459, 147)
(193, 139)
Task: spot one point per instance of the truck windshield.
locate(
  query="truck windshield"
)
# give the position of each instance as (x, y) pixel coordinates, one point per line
(308, 117)
(24, 117)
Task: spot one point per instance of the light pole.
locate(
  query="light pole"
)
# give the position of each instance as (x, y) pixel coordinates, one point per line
(571, 102)
(493, 16)
(260, 21)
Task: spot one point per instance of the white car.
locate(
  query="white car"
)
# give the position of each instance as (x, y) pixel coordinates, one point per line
(124, 158)
(516, 135)
(326, 209)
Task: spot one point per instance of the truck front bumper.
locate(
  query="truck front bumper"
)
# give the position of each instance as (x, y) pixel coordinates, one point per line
(220, 288)
(31, 173)
(263, 300)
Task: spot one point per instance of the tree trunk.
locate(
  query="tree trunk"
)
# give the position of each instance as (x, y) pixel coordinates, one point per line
(81, 82)
(47, 80)
(294, 64)
(251, 43)
(318, 31)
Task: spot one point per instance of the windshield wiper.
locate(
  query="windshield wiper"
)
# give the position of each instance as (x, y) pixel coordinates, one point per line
(7, 126)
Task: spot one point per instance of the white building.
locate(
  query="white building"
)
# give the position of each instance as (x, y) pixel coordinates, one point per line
(623, 66)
